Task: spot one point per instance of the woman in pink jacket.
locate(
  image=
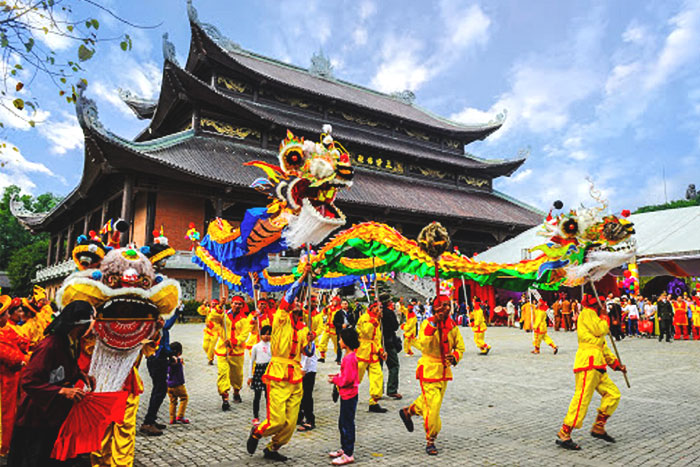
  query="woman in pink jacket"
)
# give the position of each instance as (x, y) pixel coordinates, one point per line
(346, 381)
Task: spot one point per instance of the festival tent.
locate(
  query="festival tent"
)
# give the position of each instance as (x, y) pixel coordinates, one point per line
(668, 243)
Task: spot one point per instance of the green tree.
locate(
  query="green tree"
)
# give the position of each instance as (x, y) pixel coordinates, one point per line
(23, 264)
(28, 28)
(13, 236)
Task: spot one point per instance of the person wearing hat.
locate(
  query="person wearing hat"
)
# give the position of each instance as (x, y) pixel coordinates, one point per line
(283, 376)
(370, 352)
(409, 331)
(442, 345)
(592, 358)
(51, 383)
(478, 322)
(230, 351)
(210, 333)
(539, 327)
(14, 354)
(329, 332)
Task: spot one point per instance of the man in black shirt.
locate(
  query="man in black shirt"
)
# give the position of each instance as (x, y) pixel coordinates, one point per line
(664, 311)
(392, 345)
(342, 319)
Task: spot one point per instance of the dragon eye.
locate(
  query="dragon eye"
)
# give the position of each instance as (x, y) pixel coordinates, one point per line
(569, 227)
(294, 157)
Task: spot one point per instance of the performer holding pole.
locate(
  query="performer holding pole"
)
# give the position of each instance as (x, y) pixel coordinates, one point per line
(283, 376)
(592, 357)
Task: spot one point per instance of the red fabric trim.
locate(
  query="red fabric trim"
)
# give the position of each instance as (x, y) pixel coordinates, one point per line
(583, 391)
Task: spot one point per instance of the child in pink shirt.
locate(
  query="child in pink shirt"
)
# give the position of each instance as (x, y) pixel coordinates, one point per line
(346, 381)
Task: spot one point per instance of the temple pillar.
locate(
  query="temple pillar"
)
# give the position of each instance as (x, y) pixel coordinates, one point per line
(127, 207)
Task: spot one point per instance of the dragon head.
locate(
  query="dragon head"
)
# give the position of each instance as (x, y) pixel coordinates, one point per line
(305, 184)
(129, 297)
(585, 244)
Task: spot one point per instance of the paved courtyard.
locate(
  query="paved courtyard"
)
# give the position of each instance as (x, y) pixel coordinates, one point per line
(502, 409)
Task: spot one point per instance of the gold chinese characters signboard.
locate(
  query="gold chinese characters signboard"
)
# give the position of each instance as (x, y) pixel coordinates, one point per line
(379, 162)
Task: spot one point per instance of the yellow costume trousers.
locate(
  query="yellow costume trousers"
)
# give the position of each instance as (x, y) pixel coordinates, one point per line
(588, 382)
(538, 337)
(479, 341)
(209, 344)
(230, 373)
(408, 344)
(323, 344)
(178, 393)
(428, 404)
(376, 379)
(120, 440)
(283, 400)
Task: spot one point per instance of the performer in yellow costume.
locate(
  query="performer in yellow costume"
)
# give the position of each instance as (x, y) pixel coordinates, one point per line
(694, 305)
(316, 317)
(329, 332)
(527, 311)
(369, 353)
(592, 357)
(230, 351)
(540, 329)
(409, 332)
(211, 333)
(442, 346)
(478, 323)
(283, 375)
(119, 444)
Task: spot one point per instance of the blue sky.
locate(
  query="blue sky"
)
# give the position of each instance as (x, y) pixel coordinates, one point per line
(609, 90)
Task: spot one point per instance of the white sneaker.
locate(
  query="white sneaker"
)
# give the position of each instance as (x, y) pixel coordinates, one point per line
(334, 454)
(343, 460)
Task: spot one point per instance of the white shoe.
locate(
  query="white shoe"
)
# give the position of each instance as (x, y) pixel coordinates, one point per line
(343, 460)
(334, 454)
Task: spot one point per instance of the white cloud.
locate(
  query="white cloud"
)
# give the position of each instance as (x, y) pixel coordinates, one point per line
(520, 176)
(359, 36)
(620, 76)
(37, 19)
(681, 46)
(15, 169)
(465, 26)
(634, 33)
(65, 135)
(367, 10)
(472, 116)
(143, 79)
(401, 66)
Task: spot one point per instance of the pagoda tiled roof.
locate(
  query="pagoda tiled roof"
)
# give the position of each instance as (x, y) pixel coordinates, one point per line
(213, 45)
(188, 84)
(220, 160)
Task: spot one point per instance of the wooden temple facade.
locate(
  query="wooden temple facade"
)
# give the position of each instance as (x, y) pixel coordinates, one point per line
(227, 106)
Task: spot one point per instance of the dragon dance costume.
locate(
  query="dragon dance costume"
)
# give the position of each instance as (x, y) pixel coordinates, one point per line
(592, 358)
(478, 322)
(230, 350)
(368, 354)
(539, 328)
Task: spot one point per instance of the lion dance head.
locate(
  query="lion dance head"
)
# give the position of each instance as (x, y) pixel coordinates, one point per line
(129, 296)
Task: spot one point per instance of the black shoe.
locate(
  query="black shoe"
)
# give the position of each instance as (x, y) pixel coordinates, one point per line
(376, 408)
(568, 444)
(237, 398)
(252, 443)
(274, 455)
(321, 360)
(160, 426)
(406, 419)
(226, 406)
(604, 436)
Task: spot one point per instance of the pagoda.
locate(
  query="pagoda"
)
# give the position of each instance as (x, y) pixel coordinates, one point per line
(227, 106)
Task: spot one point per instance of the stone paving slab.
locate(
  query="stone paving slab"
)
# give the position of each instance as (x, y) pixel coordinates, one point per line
(502, 409)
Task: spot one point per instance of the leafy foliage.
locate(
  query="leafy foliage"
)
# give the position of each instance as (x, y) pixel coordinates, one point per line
(27, 30)
(681, 203)
(23, 265)
(13, 237)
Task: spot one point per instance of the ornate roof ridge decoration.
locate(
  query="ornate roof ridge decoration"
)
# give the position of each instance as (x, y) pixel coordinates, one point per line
(212, 31)
(406, 96)
(142, 107)
(169, 50)
(25, 217)
(321, 65)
